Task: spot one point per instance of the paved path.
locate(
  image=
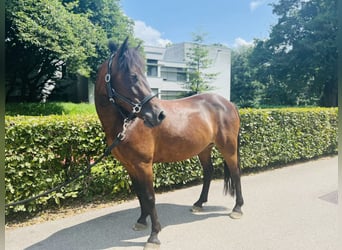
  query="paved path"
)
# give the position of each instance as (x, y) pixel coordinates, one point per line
(289, 208)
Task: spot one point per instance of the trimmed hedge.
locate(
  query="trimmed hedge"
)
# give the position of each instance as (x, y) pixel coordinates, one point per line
(42, 152)
(280, 136)
(49, 108)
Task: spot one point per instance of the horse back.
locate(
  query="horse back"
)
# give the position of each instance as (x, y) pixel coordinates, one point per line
(192, 124)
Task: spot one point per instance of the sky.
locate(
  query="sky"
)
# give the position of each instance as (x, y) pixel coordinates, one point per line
(229, 22)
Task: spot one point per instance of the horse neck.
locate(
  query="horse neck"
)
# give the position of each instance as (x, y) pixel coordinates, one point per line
(111, 119)
(119, 118)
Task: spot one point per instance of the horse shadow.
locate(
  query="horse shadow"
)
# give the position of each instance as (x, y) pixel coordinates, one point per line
(115, 229)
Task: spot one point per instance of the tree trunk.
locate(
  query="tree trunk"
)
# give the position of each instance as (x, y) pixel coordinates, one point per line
(330, 94)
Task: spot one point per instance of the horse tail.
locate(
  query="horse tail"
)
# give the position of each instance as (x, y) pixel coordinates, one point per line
(229, 185)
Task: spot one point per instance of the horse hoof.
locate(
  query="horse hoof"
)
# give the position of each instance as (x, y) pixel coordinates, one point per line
(150, 246)
(235, 215)
(139, 227)
(196, 209)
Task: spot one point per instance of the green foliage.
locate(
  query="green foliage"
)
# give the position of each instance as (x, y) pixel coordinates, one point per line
(297, 64)
(279, 136)
(44, 35)
(42, 152)
(40, 37)
(50, 108)
(168, 175)
(198, 61)
(246, 92)
(106, 14)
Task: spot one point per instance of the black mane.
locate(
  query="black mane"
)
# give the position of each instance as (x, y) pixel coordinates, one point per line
(130, 58)
(127, 58)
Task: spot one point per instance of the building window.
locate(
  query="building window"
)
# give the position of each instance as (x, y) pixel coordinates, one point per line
(152, 68)
(155, 91)
(181, 75)
(173, 74)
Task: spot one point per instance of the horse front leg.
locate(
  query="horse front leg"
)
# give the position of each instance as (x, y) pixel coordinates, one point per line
(146, 196)
(141, 223)
(156, 227)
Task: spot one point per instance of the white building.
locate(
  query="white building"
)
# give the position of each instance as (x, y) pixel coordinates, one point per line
(166, 69)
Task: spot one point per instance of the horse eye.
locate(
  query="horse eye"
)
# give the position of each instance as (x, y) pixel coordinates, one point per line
(134, 78)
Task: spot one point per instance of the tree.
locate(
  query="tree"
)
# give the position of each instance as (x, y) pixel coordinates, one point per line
(300, 56)
(45, 37)
(245, 90)
(198, 61)
(107, 14)
(274, 91)
(40, 37)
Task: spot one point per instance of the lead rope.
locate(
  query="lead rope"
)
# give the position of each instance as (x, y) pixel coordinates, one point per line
(119, 138)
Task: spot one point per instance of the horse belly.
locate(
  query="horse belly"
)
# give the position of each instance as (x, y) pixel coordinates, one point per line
(172, 154)
(182, 147)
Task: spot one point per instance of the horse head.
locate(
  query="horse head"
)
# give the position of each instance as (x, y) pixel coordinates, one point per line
(129, 87)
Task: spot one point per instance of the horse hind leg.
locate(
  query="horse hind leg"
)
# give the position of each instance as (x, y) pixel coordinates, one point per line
(205, 159)
(228, 146)
(232, 179)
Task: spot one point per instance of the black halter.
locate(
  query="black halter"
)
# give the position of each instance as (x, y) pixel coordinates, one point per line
(112, 93)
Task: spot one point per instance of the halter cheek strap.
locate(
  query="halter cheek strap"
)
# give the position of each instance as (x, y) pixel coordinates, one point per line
(112, 93)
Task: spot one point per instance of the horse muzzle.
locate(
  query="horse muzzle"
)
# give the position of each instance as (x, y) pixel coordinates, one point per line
(154, 119)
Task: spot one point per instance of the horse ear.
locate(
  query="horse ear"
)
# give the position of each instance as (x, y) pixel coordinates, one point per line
(123, 47)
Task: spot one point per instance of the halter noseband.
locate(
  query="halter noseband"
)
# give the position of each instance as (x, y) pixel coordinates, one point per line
(112, 93)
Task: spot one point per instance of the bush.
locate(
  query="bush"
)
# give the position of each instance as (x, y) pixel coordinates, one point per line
(42, 152)
(279, 136)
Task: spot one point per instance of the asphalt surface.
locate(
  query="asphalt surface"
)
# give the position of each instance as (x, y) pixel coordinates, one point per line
(294, 207)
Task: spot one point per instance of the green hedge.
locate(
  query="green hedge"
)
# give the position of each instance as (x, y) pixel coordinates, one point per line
(49, 108)
(280, 136)
(42, 152)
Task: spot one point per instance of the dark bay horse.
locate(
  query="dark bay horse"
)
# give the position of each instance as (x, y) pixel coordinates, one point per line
(163, 131)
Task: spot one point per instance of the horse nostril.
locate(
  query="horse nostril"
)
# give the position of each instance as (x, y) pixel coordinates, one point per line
(161, 116)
